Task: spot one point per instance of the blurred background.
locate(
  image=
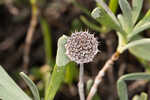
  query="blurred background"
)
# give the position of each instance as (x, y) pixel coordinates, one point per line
(29, 31)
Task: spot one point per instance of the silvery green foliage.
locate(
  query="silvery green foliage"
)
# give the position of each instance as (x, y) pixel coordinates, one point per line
(61, 58)
(81, 47)
(128, 31)
(31, 85)
(9, 90)
(57, 76)
(126, 25)
(122, 86)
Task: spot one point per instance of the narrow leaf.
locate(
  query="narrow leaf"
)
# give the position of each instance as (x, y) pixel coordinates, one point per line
(55, 82)
(122, 87)
(58, 74)
(108, 11)
(122, 22)
(139, 29)
(144, 96)
(71, 73)
(9, 90)
(145, 19)
(122, 90)
(113, 5)
(141, 51)
(106, 18)
(47, 41)
(136, 43)
(127, 15)
(137, 6)
(61, 57)
(89, 24)
(141, 26)
(135, 76)
(31, 85)
(102, 16)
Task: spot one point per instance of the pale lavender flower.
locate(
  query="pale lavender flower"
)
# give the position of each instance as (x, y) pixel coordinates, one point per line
(81, 47)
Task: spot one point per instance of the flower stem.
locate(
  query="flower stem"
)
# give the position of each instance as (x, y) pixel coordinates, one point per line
(101, 73)
(81, 82)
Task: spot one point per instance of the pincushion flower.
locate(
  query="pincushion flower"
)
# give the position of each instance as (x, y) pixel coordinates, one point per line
(81, 47)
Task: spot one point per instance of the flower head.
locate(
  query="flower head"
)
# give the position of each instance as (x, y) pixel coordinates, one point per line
(81, 47)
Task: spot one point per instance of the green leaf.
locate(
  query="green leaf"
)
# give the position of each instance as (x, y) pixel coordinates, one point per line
(89, 84)
(122, 42)
(113, 5)
(82, 8)
(122, 87)
(90, 25)
(122, 22)
(127, 14)
(136, 97)
(141, 26)
(142, 50)
(105, 10)
(138, 44)
(108, 11)
(146, 19)
(71, 73)
(31, 85)
(106, 18)
(55, 82)
(47, 42)
(135, 76)
(122, 90)
(137, 6)
(144, 96)
(61, 57)
(9, 90)
(58, 74)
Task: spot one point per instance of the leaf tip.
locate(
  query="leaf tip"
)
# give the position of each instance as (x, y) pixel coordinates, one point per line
(96, 13)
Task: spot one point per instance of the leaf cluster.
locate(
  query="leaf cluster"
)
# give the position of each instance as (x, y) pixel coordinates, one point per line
(127, 26)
